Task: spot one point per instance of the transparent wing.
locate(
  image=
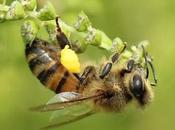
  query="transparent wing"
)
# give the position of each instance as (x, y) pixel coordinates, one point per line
(68, 107)
(64, 96)
(66, 119)
(63, 100)
(70, 110)
(70, 113)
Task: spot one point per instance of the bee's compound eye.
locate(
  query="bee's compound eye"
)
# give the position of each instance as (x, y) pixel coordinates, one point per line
(137, 86)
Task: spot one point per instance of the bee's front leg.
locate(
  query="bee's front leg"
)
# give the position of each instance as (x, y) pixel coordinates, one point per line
(129, 66)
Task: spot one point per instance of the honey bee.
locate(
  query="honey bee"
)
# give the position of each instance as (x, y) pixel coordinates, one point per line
(109, 88)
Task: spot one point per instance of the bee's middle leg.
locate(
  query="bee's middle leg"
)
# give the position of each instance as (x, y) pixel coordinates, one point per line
(88, 75)
(107, 68)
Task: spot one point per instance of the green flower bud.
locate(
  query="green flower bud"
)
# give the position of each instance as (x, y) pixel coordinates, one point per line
(117, 45)
(98, 38)
(126, 54)
(29, 31)
(29, 4)
(94, 37)
(47, 12)
(106, 42)
(138, 51)
(144, 44)
(66, 28)
(133, 48)
(82, 23)
(51, 29)
(78, 42)
(16, 11)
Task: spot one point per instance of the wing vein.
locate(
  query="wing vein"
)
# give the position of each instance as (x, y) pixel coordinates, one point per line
(62, 105)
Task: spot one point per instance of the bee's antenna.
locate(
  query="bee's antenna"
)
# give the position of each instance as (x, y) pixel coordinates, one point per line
(154, 73)
(152, 67)
(146, 62)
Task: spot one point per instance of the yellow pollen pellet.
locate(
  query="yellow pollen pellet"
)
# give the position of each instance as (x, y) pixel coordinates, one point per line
(70, 60)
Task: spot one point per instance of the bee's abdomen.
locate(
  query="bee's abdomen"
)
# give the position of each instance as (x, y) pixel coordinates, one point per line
(46, 66)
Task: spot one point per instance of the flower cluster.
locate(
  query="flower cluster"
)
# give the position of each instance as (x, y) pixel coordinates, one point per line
(80, 35)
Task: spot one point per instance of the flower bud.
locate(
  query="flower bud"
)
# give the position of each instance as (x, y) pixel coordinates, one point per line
(138, 51)
(29, 31)
(98, 38)
(29, 4)
(94, 37)
(144, 43)
(82, 23)
(51, 29)
(124, 57)
(47, 12)
(78, 42)
(106, 42)
(126, 54)
(118, 45)
(16, 11)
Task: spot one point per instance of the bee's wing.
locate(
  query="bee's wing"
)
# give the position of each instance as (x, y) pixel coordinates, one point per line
(63, 97)
(64, 100)
(76, 108)
(68, 107)
(68, 118)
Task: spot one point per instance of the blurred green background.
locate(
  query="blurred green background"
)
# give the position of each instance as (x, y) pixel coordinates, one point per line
(132, 21)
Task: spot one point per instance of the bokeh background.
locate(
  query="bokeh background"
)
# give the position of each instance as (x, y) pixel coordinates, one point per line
(131, 20)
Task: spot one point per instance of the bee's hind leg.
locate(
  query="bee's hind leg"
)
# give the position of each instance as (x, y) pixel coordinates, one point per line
(107, 68)
(61, 37)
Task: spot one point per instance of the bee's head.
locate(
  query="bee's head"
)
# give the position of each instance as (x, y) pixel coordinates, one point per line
(140, 88)
(137, 80)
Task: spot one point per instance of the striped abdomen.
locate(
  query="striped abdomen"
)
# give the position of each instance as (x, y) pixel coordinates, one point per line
(44, 62)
